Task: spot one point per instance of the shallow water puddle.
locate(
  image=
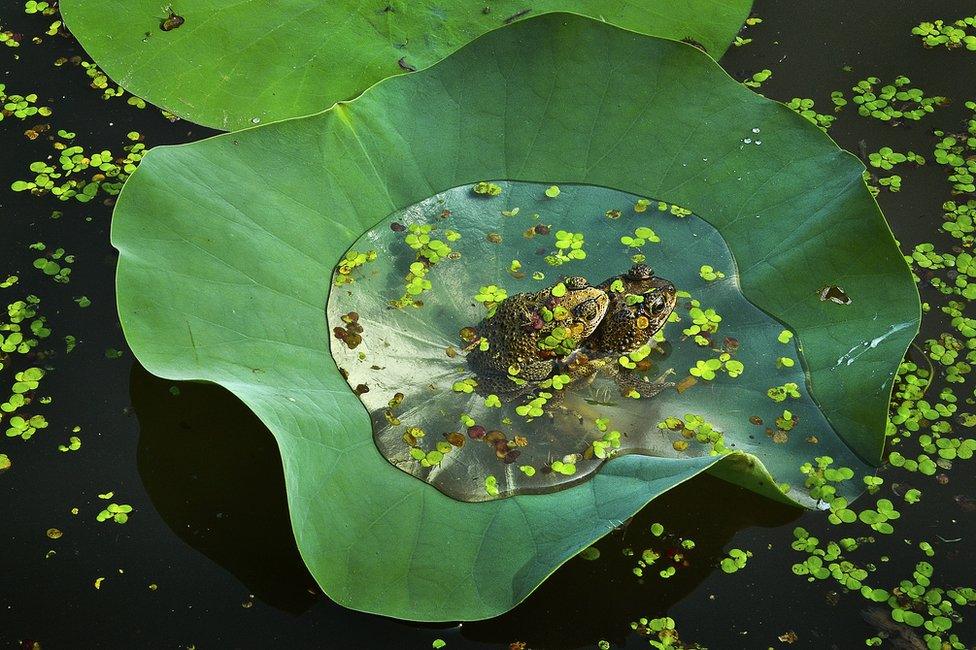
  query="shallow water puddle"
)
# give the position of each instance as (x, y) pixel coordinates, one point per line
(506, 339)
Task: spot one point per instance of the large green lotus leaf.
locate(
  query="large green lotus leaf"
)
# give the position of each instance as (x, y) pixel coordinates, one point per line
(228, 247)
(398, 345)
(232, 64)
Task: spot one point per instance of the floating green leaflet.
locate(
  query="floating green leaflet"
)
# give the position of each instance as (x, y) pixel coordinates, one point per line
(227, 280)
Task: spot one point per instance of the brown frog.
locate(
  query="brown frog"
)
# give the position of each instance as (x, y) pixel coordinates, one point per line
(529, 332)
(640, 304)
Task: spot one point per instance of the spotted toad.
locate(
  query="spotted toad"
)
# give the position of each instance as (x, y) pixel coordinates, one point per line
(640, 304)
(529, 332)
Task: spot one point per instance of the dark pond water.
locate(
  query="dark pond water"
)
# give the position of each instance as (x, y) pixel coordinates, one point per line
(207, 559)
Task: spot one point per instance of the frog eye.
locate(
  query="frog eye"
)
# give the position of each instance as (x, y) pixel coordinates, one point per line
(576, 282)
(657, 304)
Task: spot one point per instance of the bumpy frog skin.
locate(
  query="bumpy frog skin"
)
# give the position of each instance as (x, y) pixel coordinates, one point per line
(626, 327)
(520, 324)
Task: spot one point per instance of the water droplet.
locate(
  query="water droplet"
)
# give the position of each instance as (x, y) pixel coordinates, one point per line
(255, 120)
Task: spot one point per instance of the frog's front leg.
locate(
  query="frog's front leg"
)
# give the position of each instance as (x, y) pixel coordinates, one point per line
(582, 370)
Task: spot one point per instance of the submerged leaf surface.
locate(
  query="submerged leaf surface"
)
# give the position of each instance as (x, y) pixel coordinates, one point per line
(439, 417)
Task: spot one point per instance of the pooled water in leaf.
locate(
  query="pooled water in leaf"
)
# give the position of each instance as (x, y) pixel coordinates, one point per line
(481, 272)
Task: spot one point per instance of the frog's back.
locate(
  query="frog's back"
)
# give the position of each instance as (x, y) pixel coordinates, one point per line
(512, 340)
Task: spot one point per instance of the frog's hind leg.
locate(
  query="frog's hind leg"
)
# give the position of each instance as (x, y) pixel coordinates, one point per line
(578, 408)
(630, 384)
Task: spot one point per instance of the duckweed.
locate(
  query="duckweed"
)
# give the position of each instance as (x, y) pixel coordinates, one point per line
(535, 407)
(352, 260)
(74, 444)
(959, 33)
(709, 274)
(25, 427)
(675, 210)
(642, 235)
(736, 560)
(956, 152)
(488, 189)
(569, 246)
(429, 252)
(491, 486)
(17, 106)
(706, 369)
(879, 518)
(465, 385)
(8, 39)
(660, 632)
(893, 102)
(119, 513)
(893, 182)
(55, 263)
(913, 496)
(732, 367)
(604, 447)
(780, 393)
(886, 158)
(757, 79)
(490, 295)
(805, 108)
(704, 323)
(564, 467)
(873, 483)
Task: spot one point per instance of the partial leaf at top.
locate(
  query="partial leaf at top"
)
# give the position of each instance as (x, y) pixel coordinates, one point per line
(230, 64)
